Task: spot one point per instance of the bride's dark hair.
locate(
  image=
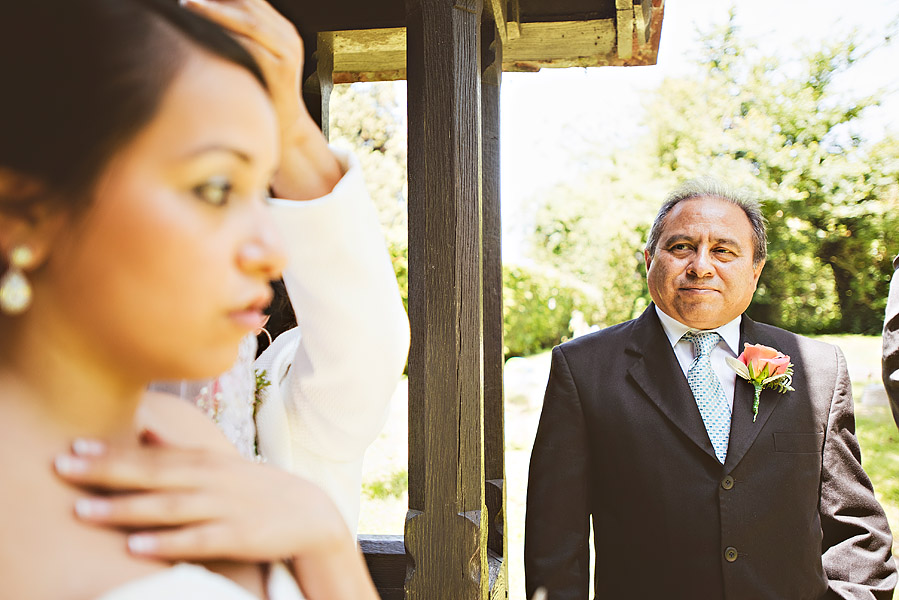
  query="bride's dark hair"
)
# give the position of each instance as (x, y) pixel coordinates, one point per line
(79, 79)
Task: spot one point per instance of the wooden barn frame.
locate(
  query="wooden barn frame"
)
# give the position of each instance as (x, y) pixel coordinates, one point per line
(453, 53)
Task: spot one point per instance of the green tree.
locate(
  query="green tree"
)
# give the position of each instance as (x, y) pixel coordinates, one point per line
(594, 229)
(784, 132)
(367, 119)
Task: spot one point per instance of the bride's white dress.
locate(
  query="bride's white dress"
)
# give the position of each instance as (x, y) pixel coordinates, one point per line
(191, 582)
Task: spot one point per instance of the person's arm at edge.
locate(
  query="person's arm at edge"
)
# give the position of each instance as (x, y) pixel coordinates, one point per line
(890, 364)
(556, 550)
(308, 168)
(340, 575)
(856, 547)
(354, 332)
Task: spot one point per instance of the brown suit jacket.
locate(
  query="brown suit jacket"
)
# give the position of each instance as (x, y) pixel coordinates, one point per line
(790, 515)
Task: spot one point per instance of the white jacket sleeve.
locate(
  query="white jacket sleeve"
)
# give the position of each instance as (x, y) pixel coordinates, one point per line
(332, 377)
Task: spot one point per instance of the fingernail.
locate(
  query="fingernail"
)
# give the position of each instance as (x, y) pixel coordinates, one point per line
(88, 447)
(70, 465)
(142, 543)
(88, 508)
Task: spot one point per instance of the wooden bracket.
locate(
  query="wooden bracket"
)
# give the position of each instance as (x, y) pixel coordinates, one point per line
(643, 21)
(513, 20)
(625, 25)
(506, 15)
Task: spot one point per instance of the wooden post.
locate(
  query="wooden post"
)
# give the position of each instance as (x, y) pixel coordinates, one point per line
(494, 439)
(317, 87)
(446, 526)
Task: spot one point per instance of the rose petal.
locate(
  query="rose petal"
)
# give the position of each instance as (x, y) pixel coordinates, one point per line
(752, 352)
(757, 357)
(778, 365)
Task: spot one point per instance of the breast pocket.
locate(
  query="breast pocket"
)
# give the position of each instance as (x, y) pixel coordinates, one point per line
(799, 443)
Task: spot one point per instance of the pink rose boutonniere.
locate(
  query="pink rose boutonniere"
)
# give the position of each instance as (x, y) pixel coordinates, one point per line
(765, 368)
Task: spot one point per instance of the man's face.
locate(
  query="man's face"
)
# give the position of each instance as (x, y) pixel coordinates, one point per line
(702, 272)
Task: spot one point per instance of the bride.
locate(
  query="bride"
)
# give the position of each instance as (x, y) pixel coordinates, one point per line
(319, 395)
(137, 143)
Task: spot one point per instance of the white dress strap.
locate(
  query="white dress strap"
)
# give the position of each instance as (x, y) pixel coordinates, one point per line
(185, 581)
(181, 582)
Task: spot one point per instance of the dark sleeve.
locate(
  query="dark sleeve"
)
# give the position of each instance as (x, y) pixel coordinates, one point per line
(556, 551)
(891, 344)
(857, 555)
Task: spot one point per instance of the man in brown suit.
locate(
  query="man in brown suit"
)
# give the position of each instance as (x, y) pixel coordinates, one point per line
(646, 429)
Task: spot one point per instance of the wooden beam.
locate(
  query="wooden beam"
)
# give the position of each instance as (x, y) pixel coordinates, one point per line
(546, 43)
(624, 22)
(385, 556)
(494, 438)
(446, 525)
(513, 20)
(380, 54)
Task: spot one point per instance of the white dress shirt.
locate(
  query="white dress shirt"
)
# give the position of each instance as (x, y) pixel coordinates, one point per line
(728, 346)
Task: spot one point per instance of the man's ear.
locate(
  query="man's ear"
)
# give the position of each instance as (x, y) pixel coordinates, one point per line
(647, 259)
(757, 270)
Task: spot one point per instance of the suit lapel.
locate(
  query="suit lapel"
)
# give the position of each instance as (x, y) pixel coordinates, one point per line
(743, 431)
(656, 371)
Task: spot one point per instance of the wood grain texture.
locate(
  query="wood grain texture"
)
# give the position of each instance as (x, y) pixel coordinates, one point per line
(446, 532)
(319, 82)
(624, 22)
(385, 556)
(494, 438)
(378, 55)
(643, 22)
(513, 20)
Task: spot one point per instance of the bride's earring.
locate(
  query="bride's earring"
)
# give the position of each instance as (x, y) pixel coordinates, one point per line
(15, 291)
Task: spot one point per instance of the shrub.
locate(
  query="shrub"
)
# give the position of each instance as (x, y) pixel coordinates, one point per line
(538, 307)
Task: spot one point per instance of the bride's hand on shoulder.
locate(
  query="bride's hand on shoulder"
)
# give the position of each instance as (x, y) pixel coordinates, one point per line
(201, 504)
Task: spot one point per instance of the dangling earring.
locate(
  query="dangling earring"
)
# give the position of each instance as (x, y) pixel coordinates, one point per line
(15, 291)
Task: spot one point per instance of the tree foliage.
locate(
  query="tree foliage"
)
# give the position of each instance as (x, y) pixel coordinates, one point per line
(366, 119)
(783, 131)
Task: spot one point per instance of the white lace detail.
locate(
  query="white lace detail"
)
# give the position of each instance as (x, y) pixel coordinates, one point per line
(228, 399)
(236, 391)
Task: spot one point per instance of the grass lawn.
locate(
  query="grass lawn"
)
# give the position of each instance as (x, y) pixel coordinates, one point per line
(879, 440)
(875, 428)
(385, 484)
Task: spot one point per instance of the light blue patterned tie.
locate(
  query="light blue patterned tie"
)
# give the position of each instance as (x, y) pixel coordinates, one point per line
(707, 390)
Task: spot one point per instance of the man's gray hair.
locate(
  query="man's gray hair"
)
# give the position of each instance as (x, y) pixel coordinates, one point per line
(707, 187)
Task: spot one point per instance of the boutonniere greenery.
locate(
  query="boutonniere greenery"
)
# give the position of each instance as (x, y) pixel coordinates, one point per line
(262, 382)
(765, 368)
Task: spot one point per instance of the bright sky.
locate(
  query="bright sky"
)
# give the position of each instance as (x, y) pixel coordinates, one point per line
(548, 117)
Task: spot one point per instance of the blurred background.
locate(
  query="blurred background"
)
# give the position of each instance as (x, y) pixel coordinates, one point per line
(796, 102)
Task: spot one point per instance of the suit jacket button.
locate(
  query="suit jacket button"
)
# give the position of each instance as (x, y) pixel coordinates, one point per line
(727, 483)
(730, 554)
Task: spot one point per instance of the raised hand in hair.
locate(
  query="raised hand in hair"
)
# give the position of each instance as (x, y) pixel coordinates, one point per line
(308, 169)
